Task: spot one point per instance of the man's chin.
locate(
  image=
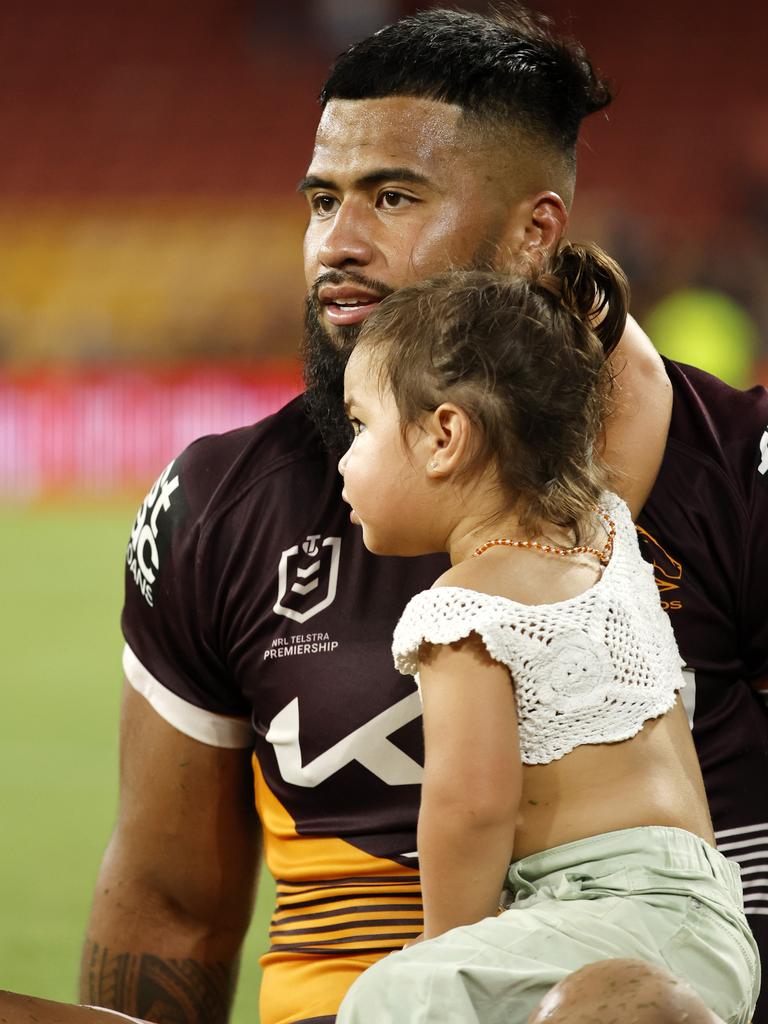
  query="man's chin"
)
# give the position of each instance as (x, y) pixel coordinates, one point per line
(342, 338)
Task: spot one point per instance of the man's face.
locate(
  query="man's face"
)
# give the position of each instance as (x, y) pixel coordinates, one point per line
(397, 192)
(395, 195)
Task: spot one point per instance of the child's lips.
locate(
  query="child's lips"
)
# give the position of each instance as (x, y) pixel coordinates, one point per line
(352, 514)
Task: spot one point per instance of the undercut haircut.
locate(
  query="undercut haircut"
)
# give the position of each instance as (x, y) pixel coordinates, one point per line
(505, 70)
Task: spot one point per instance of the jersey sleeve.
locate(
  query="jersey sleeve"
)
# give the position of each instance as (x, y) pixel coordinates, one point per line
(171, 654)
(755, 591)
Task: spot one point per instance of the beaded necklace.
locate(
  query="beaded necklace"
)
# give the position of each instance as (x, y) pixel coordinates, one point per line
(603, 555)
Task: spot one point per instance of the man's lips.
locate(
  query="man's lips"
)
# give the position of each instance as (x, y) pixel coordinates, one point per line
(344, 304)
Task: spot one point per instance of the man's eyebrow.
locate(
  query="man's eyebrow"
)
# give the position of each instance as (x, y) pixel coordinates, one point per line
(312, 181)
(377, 177)
(348, 404)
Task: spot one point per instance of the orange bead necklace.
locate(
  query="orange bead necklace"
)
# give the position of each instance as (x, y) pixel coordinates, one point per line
(603, 555)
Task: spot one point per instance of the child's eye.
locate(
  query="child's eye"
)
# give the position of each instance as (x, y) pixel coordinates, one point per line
(357, 426)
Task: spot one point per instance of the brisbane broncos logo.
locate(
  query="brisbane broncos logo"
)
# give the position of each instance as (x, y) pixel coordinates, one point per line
(667, 571)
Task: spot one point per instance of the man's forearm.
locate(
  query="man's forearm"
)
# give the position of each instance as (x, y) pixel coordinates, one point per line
(146, 957)
(176, 887)
(166, 990)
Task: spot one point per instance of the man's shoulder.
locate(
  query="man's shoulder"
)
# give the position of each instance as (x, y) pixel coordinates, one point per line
(706, 405)
(225, 497)
(715, 461)
(219, 469)
(717, 429)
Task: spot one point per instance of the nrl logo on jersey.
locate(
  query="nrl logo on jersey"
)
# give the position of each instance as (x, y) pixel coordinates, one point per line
(307, 577)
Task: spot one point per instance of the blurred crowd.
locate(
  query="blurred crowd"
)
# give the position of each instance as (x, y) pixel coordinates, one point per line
(147, 211)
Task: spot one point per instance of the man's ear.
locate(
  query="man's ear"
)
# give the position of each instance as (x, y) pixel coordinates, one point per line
(449, 439)
(536, 226)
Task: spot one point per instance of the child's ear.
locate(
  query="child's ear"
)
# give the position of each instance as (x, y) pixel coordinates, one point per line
(449, 435)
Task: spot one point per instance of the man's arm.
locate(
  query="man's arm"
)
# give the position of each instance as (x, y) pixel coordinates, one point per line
(18, 1009)
(637, 427)
(175, 892)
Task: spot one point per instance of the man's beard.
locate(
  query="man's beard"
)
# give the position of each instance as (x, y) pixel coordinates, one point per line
(325, 360)
(324, 365)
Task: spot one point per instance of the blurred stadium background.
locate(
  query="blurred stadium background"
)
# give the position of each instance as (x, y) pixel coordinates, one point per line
(151, 291)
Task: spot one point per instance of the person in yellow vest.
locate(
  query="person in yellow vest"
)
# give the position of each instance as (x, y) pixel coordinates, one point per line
(706, 328)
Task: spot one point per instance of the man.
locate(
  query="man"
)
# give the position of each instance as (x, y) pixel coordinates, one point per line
(257, 626)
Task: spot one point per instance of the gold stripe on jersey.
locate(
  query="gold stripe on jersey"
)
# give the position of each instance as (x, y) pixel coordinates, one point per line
(352, 910)
(306, 988)
(347, 917)
(353, 903)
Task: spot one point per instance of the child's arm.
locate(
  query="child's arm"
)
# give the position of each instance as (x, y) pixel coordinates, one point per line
(636, 429)
(472, 784)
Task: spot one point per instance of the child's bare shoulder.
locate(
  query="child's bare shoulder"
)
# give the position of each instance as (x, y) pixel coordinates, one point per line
(486, 577)
(525, 576)
(466, 574)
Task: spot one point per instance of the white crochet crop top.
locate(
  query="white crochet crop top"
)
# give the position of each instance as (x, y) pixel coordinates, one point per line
(590, 669)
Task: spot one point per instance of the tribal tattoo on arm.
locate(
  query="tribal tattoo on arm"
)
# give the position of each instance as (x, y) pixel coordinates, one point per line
(165, 991)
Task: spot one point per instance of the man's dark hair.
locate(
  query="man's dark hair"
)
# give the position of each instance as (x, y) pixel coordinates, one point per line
(507, 68)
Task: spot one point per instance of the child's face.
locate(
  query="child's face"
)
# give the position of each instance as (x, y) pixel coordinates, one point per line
(385, 479)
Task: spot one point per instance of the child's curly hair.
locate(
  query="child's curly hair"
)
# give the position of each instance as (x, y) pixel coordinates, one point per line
(525, 357)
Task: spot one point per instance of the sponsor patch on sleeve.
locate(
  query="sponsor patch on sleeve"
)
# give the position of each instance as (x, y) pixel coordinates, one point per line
(144, 553)
(762, 467)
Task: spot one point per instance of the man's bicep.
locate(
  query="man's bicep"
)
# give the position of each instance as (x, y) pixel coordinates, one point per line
(636, 429)
(187, 838)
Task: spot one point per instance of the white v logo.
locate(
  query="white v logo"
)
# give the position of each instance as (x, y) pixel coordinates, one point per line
(369, 746)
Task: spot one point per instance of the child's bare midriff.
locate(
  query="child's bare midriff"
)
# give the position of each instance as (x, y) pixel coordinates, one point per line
(651, 779)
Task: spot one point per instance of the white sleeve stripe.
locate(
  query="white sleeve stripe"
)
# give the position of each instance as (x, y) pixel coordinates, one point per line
(116, 1013)
(205, 726)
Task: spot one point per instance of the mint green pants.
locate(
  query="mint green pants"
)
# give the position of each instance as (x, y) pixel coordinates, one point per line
(656, 894)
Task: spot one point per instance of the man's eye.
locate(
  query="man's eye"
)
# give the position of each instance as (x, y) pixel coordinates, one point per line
(391, 200)
(323, 204)
(357, 426)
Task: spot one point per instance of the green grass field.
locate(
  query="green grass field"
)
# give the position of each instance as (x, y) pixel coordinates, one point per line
(60, 596)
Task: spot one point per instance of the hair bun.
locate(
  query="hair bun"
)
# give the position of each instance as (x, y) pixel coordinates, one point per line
(592, 287)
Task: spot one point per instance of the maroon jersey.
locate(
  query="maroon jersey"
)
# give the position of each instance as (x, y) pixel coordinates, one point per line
(255, 617)
(705, 528)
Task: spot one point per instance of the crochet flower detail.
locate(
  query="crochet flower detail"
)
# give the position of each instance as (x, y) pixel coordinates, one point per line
(572, 672)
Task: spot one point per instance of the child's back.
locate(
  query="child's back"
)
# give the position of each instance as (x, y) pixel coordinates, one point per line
(653, 778)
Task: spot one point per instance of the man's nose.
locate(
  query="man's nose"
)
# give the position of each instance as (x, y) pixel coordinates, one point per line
(348, 240)
(343, 462)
